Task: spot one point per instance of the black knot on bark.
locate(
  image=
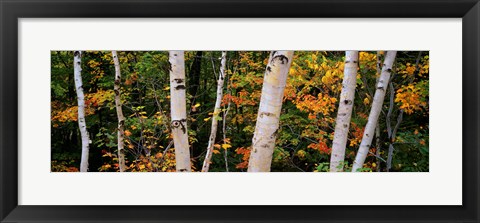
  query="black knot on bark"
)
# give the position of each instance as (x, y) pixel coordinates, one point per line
(178, 80)
(175, 123)
(180, 123)
(266, 114)
(180, 87)
(282, 59)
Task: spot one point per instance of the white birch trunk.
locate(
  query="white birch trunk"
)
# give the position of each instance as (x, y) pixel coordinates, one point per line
(82, 125)
(375, 111)
(216, 112)
(263, 143)
(121, 118)
(344, 113)
(179, 111)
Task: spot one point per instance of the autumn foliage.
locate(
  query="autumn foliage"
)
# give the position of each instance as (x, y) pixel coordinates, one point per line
(307, 121)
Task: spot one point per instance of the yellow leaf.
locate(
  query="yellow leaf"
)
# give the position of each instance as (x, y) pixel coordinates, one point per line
(328, 74)
(216, 151)
(128, 133)
(197, 105)
(216, 146)
(366, 101)
(206, 119)
(166, 88)
(107, 154)
(226, 146)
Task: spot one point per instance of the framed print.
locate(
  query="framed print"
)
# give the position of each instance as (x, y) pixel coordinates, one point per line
(266, 111)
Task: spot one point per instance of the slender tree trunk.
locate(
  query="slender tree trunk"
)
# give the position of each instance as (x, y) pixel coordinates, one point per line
(216, 112)
(179, 111)
(344, 111)
(378, 146)
(377, 128)
(392, 140)
(377, 105)
(77, 70)
(263, 143)
(392, 132)
(224, 131)
(121, 118)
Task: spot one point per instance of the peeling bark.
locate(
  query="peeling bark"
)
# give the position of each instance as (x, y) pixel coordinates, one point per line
(263, 142)
(179, 111)
(344, 111)
(77, 70)
(375, 111)
(216, 112)
(121, 118)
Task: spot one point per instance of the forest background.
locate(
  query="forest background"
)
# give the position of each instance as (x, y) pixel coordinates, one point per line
(307, 120)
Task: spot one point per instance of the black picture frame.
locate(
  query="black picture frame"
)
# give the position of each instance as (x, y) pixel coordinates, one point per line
(11, 11)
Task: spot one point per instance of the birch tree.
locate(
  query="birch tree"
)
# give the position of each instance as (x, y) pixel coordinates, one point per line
(216, 112)
(179, 110)
(375, 111)
(263, 143)
(121, 118)
(344, 114)
(82, 125)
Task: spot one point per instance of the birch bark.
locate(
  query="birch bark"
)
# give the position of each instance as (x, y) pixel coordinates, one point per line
(82, 125)
(375, 111)
(121, 118)
(216, 112)
(344, 114)
(263, 143)
(179, 110)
